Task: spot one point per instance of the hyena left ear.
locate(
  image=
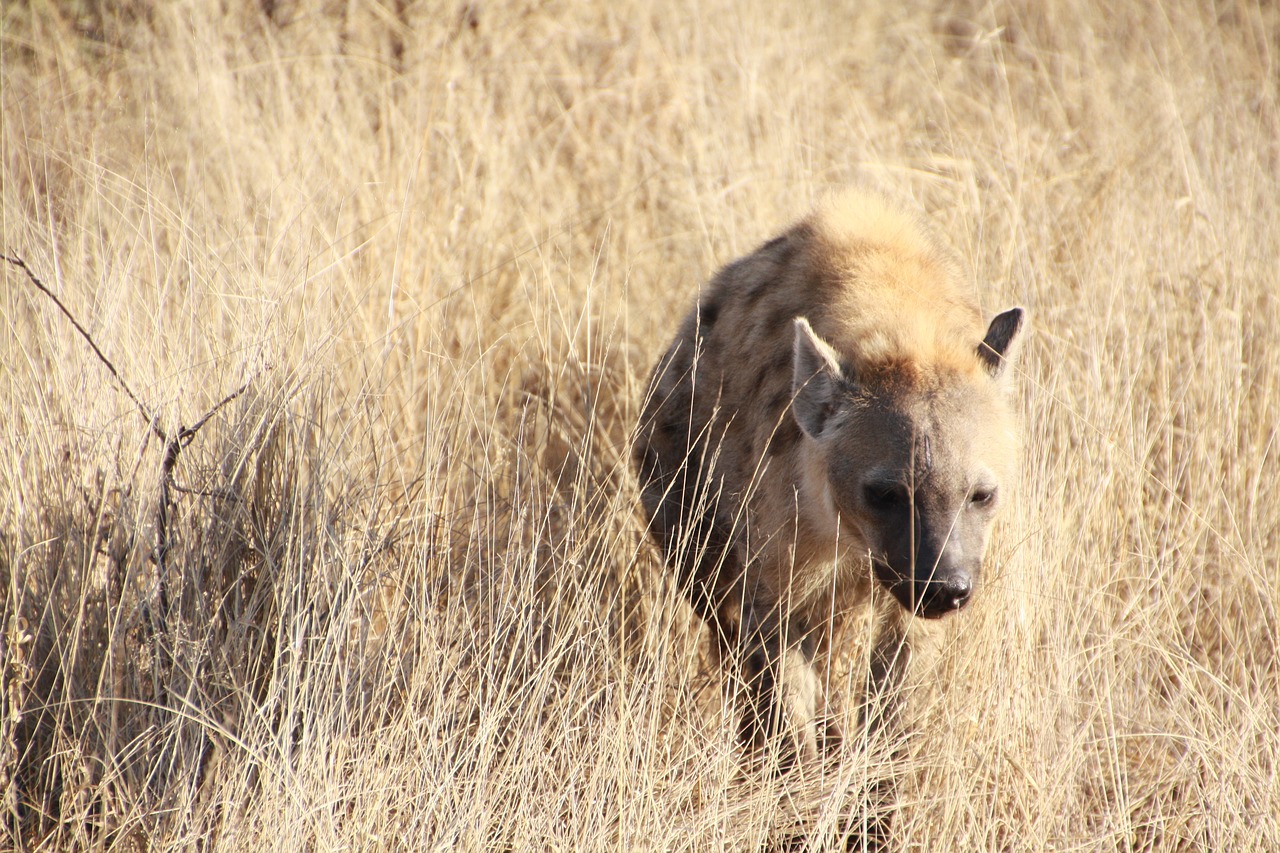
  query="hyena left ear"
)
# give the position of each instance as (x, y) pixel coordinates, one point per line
(815, 382)
(1000, 347)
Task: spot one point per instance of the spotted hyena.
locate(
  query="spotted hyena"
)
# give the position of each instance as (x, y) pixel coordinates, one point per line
(832, 414)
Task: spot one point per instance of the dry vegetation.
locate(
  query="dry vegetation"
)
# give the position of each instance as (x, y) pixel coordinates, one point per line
(405, 600)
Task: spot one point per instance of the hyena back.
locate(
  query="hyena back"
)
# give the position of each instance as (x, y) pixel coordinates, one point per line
(833, 413)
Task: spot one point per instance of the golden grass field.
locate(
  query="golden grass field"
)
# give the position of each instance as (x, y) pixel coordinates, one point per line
(406, 600)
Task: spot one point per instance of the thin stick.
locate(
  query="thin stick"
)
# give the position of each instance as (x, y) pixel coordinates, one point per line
(187, 433)
(39, 285)
(172, 448)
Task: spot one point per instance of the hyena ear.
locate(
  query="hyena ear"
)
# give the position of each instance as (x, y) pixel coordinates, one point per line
(815, 383)
(1000, 347)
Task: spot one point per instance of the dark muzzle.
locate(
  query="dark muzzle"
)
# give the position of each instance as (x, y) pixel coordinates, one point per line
(931, 598)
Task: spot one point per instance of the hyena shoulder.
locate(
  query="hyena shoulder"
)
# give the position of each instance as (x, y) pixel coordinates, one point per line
(872, 280)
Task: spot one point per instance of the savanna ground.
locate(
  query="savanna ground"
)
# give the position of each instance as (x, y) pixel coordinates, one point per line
(396, 593)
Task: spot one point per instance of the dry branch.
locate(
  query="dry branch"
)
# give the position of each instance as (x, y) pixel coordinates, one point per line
(40, 285)
(173, 445)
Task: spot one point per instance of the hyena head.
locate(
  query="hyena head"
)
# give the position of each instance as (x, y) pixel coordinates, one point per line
(916, 461)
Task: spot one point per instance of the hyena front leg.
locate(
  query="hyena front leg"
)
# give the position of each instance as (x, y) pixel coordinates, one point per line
(882, 700)
(783, 690)
(881, 716)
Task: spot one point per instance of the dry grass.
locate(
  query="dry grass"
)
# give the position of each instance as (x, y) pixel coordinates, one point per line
(410, 605)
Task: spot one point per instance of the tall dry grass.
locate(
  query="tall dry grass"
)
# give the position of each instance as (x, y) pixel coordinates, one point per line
(407, 602)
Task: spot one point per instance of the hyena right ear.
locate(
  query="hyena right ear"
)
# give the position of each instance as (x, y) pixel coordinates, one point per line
(815, 382)
(1000, 347)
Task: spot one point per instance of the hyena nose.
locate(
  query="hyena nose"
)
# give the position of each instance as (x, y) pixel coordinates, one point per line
(941, 596)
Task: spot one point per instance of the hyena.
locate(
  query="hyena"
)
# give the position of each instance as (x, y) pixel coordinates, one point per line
(832, 414)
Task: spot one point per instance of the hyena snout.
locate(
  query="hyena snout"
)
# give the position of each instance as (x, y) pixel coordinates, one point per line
(928, 594)
(930, 580)
(938, 597)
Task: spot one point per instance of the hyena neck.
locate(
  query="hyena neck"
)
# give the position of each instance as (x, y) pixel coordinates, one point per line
(822, 537)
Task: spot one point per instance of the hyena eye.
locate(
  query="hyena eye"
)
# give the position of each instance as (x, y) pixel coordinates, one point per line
(983, 497)
(884, 497)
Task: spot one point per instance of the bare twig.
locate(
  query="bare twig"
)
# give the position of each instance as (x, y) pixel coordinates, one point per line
(187, 433)
(147, 414)
(172, 446)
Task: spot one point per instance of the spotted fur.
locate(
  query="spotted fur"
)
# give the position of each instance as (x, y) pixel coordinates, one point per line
(833, 413)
